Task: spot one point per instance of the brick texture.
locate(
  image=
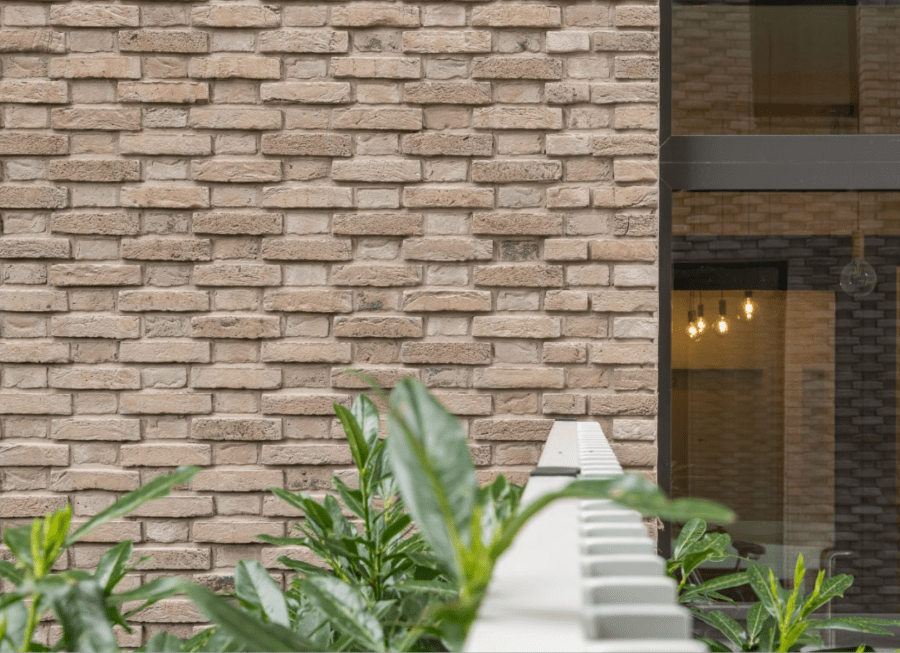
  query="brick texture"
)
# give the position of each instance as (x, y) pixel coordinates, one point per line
(210, 211)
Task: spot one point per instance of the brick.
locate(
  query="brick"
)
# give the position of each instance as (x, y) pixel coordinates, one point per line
(511, 171)
(382, 377)
(247, 274)
(235, 118)
(536, 224)
(377, 67)
(177, 506)
(446, 249)
(310, 197)
(94, 15)
(519, 276)
(174, 558)
(587, 275)
(229, 67)
(306, 144)
(517, 68)
(516, 16)
(511, 429)
(34, 248)
(26, 91)
(174, 144)
(234, 532)
(95, 378)
(164, 352)
(307, 93)
(94, 326)
(310, 41)
(165, 197)
(238, 378)
(516, 454)
(98, 170)
(235, 326)
(376, 169)
(448, 144)
(33, 301)
(92, 274)
(465, 404)
(446, 300)
(98, 67)
(377, 224)
(156, 300)
(233, 223)
(308, 301)
(148, 40)
(372, 15)
(626, 301)
(565, 300)
(434, 42)
(90, 429)
(391, 119)
(624, 144)
(448, 197)
(447, 93)
(33, 197)
(623, 354)
(515, 327)
(35, 404)
(305, 454)
(235, 15)
(455, 353)
(30, 505)
(163, 92)
(239, 429)
(32, 40)
(170, 611)
(378, 327)
(302, 404)
(636, 405)
(517, 118)
(307, 249)
(29, 352)
(236, 171)
(28, 455)
(624, 250)
(376, 275)
(161, 455)
(33, 144)
(165, 403)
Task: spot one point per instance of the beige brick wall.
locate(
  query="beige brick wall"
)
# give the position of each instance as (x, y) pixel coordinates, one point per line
(210, 210)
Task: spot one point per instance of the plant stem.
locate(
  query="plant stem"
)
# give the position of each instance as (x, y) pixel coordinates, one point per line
(31, 623)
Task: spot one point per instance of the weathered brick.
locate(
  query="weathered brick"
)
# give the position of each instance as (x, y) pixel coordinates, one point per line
(448, 144)
(376, 275)
(234, 532)
(94, 15)
(376, 169)
(383, 377)
(95, 378)
(306, 249)
(163, 92)
(235, 118)
(308, 301)
(302, 404)
(446, 300)
(95, 429)
(515, 327)
(35, 404)
(238, 378)
(516, 16)
(233, 223)
(624, 301)
(94, 326)
(235, 326)
(29, 352)
(148, 40)
(236, 171)
(517, 68)
(455, 353)
(33, 197)
(34, 248)
(102, 67)
(28, 91)
(365, 14)
(378, 327)
(377, 119)
(565, 300)
(305, 454)
(32, 40)
(310, 197)
(517, 118)
(447, 93)
(93, 274)
(235, 15)
(164, 352)
(233, 428)
(161, 455)
(165, 403)
(510, 171)
(377, 67)
(311, 41)
(170, 611)
(165, 197)
(307, 93)
(433, 42)
(176, 506)
(33, 301)
(624, 144)
(33, 144)
(537, 224)
(307, 144)
(447, 197)
(446, 249)
(174, 144)
(519, 276)
(246, 274)
(100, 170)
(637, 405)
(22, 454)
(614, 353)
(30, 505)
(228, 67)
(378, 224)
(465, 404)
(157, 300)
(511, 429)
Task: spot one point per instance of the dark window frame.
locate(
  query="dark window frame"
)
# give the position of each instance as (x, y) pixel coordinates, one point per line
(744, 163)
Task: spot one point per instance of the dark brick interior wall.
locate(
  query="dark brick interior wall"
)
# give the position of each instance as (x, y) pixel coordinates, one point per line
(865, 467)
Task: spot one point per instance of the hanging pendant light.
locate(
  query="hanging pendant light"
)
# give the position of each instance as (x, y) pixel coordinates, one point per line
(749, 308)
(858, 278)
(722, 326)
(692, 331)
(701, 320)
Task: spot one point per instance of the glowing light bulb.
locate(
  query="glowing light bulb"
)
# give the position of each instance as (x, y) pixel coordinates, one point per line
(722, 325)
(749, 309)
(858, 278)
(700, 321)
(691, 329)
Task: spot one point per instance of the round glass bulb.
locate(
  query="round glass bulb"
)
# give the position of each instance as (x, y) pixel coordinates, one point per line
(701, 321)
(858, 278)
(693, 332)
(748, 309)
(722, 325)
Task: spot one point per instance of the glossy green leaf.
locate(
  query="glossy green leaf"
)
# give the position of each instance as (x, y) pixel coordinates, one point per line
(155, 489)
(352, 499)
(758, 577)
(756, 618)
(856, 624)
(112, 565)
(253, 584)
(359, 448)
(19, 542)
(366, 414)
(714, 645)
(8, 571)
(692, 531)
(432, 464)
(82, 615)
(714, 585)
(346, 609)
(396, 527)
(727, 626)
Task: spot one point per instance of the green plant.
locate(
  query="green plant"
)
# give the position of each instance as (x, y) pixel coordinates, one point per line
(431, 463)
(84, 604)
(694, 547)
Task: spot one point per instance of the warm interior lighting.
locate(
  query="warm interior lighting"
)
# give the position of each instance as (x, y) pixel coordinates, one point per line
(722, 325)
(692, 331)
(749, 309)
(700, 321)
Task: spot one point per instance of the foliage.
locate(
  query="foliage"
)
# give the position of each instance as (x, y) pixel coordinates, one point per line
(462, 524)
(83, 603)
(781, 620)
